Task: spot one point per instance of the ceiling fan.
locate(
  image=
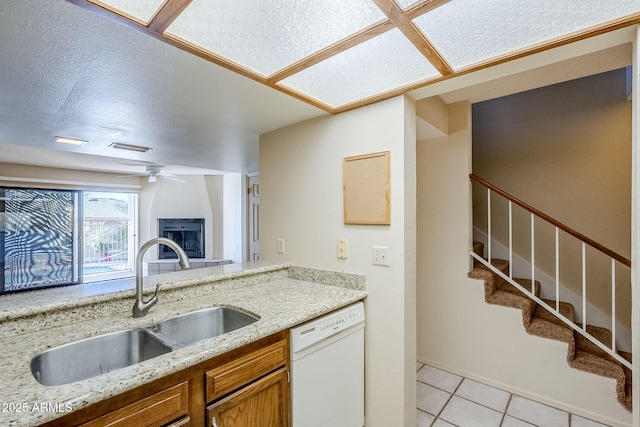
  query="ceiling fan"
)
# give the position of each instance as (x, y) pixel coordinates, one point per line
(153, 172)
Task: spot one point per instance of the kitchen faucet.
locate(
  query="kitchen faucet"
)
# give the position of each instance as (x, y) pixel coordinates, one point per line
(141, 307)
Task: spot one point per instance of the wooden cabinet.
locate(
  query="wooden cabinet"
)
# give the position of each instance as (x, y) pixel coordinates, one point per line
(263, 403)
(259, 382)
(245, 387)
(152, 411)
(241, 371)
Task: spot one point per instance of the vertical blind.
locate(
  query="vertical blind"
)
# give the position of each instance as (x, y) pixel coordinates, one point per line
(39, 238)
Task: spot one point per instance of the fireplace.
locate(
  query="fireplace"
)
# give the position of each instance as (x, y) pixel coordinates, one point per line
(187, 232)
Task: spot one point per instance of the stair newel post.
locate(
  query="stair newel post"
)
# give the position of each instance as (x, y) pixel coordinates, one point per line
(489, 225)
(584, 286)
(613, 304)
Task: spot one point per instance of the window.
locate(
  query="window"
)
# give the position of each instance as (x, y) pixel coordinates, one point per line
(60, 237)
(108, 235)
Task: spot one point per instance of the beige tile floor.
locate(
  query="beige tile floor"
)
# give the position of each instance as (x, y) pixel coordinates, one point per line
(446, 399)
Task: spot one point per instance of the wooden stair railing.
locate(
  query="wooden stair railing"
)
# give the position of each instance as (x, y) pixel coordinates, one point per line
(531, 293)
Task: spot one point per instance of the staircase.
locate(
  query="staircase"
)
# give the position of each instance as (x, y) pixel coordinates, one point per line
(582, 354)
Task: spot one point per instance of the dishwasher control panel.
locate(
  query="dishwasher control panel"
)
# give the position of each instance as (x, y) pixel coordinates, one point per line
(323, 327)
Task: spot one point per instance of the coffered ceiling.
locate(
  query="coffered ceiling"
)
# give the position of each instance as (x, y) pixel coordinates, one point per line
(198, 81)
(341, 54)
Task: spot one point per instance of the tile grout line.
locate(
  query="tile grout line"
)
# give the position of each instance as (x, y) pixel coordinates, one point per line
(504, 412)
(506, 408)
(449, 400)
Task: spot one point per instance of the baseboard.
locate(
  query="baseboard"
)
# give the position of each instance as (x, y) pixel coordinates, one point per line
(527, 394)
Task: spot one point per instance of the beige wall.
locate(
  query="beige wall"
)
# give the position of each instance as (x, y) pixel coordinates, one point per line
(198, 197)
(456, 329)
(566, 150)
(301, 202)
(206, 198)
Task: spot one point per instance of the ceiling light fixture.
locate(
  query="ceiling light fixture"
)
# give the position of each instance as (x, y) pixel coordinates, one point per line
(69, 141)
(129, 147)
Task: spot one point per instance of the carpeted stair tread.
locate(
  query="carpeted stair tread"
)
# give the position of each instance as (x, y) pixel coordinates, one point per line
(478, 248)
(628, 381)
(545, 324)
(566, 309)
(589, 362)
(507, 298)
(525, 283)
(601, 334)
(500, 264)
(582, 354)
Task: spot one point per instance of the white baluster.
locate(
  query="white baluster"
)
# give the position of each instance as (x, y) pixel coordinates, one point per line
(613, 304)
(489, 225)
(510, 240)
(584, 286)
(557, 270)
(533, 257)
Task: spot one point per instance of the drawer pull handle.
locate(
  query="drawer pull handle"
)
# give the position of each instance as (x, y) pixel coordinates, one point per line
(214, 423)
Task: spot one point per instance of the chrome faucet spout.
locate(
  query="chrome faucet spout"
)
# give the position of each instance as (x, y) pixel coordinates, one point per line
(141, 307)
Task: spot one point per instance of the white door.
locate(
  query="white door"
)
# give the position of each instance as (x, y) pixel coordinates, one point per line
(253, 216)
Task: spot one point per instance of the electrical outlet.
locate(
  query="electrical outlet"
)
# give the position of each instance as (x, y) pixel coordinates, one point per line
(342, 249)
(280, 246)
(381, 255)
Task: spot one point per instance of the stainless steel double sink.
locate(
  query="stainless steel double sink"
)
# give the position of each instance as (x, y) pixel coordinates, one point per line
(98, 355)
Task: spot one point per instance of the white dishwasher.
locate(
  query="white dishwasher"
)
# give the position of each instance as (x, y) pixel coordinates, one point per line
(327, 370)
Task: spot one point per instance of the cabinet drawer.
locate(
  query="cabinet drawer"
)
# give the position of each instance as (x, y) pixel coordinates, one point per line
(155, 410)
(263, 403)
(239, 372)
(182, 422)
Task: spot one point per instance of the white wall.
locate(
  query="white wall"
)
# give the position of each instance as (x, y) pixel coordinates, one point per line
(215, 191)
(216, 198)
(301, 202)
(456, 329)
(635, 217)
(233, 194)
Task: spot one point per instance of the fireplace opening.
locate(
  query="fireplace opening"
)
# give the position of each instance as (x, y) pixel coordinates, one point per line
(187, 232)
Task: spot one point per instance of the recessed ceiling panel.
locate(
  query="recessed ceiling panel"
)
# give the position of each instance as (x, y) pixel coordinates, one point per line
(268, 35)
(386, 62)
(138, 10)
(471, 31)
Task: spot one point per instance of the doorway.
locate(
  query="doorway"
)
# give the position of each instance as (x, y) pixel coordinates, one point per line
(253, 217)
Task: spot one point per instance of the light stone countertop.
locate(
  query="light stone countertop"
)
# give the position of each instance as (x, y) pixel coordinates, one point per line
(281, 294)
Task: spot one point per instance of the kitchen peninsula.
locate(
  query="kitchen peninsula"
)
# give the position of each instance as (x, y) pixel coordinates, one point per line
(281, 295)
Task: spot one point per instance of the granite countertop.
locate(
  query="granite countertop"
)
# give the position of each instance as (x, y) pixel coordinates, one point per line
(280, 294)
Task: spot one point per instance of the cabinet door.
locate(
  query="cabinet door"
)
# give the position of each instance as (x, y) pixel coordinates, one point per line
(263, 403)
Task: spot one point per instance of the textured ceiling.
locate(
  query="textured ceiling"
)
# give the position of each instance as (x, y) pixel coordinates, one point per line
(340, 54)
(68, 72)
(71, 72)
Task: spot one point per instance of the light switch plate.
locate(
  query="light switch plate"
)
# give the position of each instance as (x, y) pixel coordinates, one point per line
(280, 246)
(342, 249)
(381, 255)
